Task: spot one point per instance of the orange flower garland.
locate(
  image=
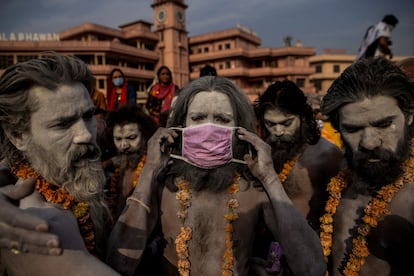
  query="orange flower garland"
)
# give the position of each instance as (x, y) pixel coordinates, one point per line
(287, 168)
(183, 196)
(113, 191)
(232, 205)
(138, 170)
(57, 195)
(376, 208)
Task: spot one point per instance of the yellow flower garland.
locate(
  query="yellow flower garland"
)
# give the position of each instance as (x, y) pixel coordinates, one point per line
(375, 208)
(183, 196)
(57, 195)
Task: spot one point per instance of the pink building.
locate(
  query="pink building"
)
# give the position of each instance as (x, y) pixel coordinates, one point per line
(140, 47)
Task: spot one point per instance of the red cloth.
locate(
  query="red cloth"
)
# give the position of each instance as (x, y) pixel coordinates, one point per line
(165, 92)
(113, 95)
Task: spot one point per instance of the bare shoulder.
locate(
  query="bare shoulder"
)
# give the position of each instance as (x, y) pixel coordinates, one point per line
(323, 148)
(71, 262)
(323, 153)
(62, 223)
(403, 202)
(252, 192)
(75, 259)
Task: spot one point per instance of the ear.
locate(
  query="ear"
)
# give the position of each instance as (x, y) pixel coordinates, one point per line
(410, 119)
(19, 139)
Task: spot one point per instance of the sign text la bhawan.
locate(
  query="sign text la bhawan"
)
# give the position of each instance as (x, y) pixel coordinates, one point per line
(20, 36)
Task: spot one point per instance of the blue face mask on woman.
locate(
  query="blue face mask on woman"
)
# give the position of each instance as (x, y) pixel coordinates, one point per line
(118, 81)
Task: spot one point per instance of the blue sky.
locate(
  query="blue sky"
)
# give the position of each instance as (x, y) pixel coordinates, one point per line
(338, 24)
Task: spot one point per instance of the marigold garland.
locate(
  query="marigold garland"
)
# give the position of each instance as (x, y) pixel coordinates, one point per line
(183, 196)
(113, 191)
(57, 195)
(232, 204)
(287, 168)
(375, 208)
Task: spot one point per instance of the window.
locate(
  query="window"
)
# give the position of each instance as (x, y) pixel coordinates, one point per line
(318, 68)
(227, 46)
(199, 51)
(228, 64)
(274, 64)
(100, 59)
(101, 84)
(336, 68)
(318, 86)
(300, 82)
(220, 47)
(25, 58)
(206, 49)
(6, 61)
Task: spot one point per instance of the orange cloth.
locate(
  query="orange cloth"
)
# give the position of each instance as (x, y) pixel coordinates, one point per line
(331, 134)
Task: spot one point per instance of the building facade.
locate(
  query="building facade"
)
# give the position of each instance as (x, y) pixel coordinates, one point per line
(138, 48)
(235, 53)
(328, 66)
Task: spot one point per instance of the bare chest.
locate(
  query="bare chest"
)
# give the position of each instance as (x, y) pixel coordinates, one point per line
(349, 216)
(206, 218)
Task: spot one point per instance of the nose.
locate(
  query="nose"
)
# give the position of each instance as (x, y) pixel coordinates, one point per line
(124, 145)
(370, 139)
(278, 130)
(82, 133)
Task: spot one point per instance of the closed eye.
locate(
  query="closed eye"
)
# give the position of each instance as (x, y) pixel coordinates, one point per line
(198, 117)
(287, 122)
(222, 119)
(383, 124)
(350, 129)
(269, 123)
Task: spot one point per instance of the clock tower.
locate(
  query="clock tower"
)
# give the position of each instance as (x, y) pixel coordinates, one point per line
(169, 23)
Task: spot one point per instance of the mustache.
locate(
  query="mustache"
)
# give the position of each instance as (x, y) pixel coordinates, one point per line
(273, 139)
(90, 152)
(380, 154)
(126, 152)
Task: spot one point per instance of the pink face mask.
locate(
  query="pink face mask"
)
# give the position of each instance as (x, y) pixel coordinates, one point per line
(207, 146)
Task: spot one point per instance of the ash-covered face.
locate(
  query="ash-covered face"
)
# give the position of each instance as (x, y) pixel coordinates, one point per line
(127, 138)
(374, 131)
(61, 144)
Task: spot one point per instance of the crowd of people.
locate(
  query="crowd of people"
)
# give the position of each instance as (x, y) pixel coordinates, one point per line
(201, 181)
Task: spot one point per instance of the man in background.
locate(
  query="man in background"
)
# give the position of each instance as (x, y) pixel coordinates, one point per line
(377, 39)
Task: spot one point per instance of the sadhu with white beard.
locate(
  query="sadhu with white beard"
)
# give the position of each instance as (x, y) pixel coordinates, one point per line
(48, 132)
(208, 192)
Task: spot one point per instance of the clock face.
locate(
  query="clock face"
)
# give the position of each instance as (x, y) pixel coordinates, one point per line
(161, 15)
(180, 16)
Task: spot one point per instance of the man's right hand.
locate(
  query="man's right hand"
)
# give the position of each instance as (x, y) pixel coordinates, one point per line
(20, 231)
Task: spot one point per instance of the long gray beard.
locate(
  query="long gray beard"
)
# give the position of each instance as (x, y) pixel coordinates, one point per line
(81, 176)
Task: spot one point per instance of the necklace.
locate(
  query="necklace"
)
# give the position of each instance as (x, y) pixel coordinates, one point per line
(375, 208)
(183, 196)
(113, 191)
(287, 168)
(58, 195)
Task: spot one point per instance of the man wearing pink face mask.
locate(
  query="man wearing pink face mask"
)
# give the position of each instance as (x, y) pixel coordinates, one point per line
(208, 180)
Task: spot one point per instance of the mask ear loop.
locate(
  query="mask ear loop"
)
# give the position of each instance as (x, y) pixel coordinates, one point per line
(235, 129)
